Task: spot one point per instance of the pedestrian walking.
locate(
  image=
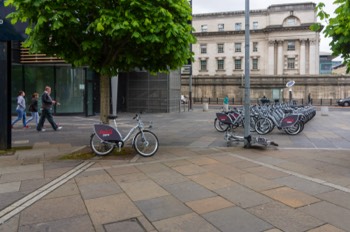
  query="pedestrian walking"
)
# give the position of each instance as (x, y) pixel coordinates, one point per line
(33, 108)
(20, 109)
(226, 101)
(46, 108)
(309, 98)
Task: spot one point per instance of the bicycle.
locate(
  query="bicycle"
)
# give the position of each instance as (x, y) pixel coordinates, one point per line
(105, 138)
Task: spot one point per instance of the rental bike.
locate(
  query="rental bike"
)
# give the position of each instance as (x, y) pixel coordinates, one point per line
(105, 138)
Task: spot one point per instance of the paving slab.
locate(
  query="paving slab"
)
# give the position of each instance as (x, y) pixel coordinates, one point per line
(189, 170)
(326, 228)
(70, 188)
(256, 183)
(141, 190)
(330, 213)
(284, 217)
(337, 197)
(111, 209)
(209, 204)
(211, 181)
(303, 185)
(96, 190)
(188, 222)
(266, 172)
(242, 196)
(53, 209)
(10, 187)
(162, 208)
(188, 191)
(79, 223)
(291, 197)
(166, 178)
(236, 219)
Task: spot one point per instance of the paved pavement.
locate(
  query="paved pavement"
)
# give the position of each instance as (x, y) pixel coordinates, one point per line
(194, 182)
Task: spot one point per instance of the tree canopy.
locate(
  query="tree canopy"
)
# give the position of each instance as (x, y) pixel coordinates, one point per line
(109, 35)
(337, 28)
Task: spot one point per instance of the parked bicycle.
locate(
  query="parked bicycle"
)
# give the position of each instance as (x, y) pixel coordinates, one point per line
(105, 138)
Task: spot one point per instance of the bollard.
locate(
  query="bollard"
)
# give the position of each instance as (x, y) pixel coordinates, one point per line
(324, 111)
(205, 107)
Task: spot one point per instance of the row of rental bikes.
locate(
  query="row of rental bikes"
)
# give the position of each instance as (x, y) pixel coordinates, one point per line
(286, 117)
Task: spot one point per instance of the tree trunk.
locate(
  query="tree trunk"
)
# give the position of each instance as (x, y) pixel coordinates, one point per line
(105, 82)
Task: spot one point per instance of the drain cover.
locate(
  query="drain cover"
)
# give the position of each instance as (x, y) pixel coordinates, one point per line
(131, 224)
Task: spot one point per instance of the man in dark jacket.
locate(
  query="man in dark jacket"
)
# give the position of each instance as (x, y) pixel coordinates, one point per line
(47, 104)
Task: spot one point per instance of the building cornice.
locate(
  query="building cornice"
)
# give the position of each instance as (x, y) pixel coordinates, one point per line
(269, 29)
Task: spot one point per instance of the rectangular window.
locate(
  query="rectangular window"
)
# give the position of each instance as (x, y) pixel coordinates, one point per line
(203, 49)
(255, 25)
(291, 63)
(220, 64)
(238, 26)
(220, 48)
(238, 64)
(255, 46)
(291, 45)
(238, 47)
(221, 27)
(203, 65)
(255, 64)
(204, 28)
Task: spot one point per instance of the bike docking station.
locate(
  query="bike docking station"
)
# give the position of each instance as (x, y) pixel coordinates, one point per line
(228, 121)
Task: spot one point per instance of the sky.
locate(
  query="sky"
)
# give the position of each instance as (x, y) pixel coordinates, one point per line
(208, 6)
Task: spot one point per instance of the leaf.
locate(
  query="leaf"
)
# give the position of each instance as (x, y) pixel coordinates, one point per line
(99, 27)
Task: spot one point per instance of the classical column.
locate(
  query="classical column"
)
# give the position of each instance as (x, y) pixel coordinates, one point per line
(302, 61)
(271, 58)
(312, 55)
(280, 60)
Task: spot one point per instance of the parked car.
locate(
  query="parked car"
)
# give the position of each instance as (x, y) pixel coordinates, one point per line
(344, 101)
(183, 99)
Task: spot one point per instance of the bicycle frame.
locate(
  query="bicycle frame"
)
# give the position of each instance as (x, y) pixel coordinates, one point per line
(112, 135)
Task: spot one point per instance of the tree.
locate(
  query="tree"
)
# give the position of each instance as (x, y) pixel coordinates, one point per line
(337, 28)
(109, 35)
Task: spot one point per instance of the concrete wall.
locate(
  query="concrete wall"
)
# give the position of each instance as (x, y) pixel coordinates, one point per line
(320, 87)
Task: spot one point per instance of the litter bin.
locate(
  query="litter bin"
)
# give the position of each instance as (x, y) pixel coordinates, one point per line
(205, 106)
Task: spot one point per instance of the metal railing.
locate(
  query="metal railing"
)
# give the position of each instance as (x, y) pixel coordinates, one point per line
(240, 101)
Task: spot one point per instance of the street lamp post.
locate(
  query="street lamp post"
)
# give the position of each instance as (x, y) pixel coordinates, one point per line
(247, 137)
(190, 77)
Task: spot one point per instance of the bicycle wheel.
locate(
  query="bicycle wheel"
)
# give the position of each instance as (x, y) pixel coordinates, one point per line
(219, 126)
(295, 129)
(263, 126)
(146, 143)
(99, 146)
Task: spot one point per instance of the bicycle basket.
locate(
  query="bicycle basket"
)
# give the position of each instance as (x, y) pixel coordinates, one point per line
(223, 118)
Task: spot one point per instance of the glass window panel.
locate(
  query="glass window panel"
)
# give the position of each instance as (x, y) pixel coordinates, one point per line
(238, 47)
(70, 87)
(238, 64)
(220, 64)
(220, 48)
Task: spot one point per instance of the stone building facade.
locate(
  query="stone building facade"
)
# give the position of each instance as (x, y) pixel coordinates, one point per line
(282, 46)
(281, 42)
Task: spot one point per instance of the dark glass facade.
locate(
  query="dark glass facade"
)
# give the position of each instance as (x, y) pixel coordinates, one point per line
(67, 84)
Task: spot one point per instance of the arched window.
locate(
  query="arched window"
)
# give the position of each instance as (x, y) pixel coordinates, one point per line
(291, 21)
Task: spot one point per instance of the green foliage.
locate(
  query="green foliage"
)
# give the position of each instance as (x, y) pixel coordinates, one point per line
(109, 35)
(337, 28)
